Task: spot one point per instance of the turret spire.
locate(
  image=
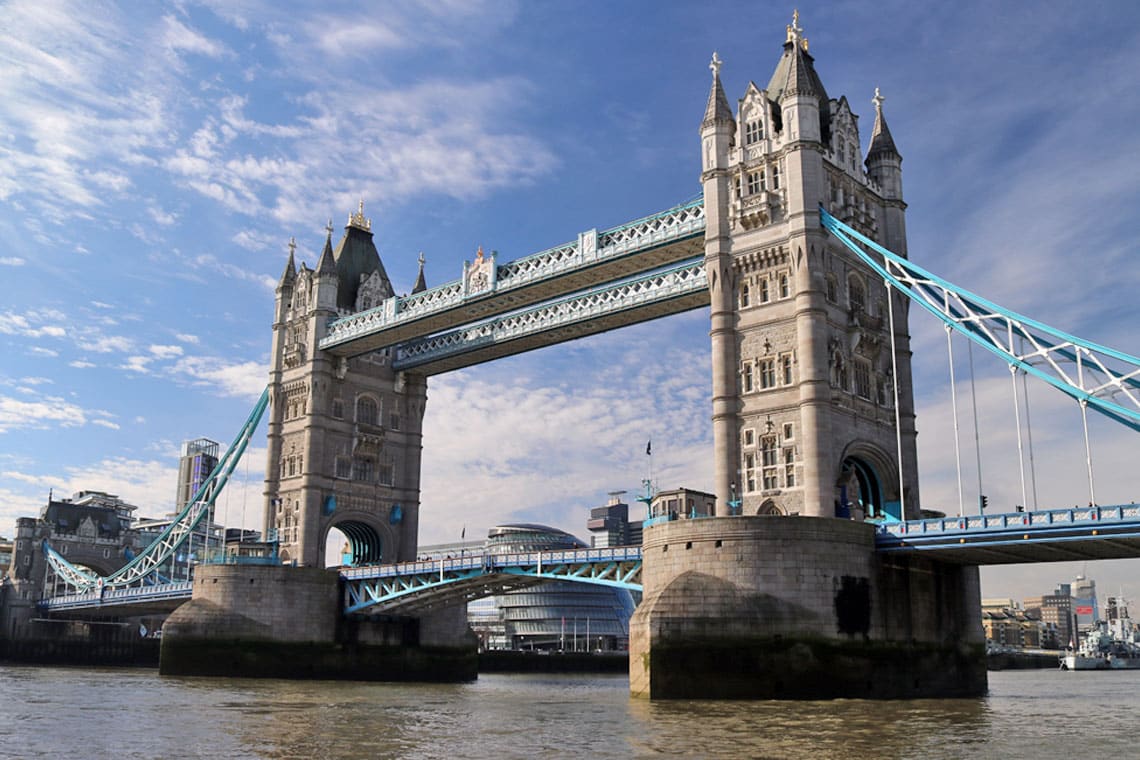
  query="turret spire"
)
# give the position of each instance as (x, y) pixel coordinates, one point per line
(717, 110)
(421, 283)
(881, 141)
(326, 264)
(290, 273)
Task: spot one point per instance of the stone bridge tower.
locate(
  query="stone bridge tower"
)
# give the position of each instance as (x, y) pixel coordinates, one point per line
(807, 395)
(812, 414)
(345, 436)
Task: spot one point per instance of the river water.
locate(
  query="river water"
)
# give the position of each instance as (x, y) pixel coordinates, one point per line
(115, 713)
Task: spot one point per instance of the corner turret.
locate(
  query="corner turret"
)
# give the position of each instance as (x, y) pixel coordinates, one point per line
(884, 164)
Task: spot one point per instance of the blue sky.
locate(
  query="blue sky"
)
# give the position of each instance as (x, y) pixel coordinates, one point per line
(155, 159)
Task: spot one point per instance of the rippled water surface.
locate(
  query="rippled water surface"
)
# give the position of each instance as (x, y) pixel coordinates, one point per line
(91, 713)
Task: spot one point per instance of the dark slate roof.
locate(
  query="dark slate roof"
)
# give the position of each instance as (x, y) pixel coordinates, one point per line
(356, 255)
(66, 517)
(795, 75)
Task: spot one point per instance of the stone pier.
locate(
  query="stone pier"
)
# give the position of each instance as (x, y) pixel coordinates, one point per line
(285, 622)
(799, 608)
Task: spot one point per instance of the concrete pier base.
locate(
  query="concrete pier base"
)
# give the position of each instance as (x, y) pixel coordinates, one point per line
(799, 608)
(274, 621)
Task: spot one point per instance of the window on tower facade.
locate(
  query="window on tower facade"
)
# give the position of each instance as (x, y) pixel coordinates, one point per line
(366, 412)
(343, 467)
(746, 377)
(862, 372)
(768, 461)
(785, 285)
(767, 373)
(753, 131)
(744, 295)
(749, 472)
(755, 182)
(786, 369)
(362, 470)
(765, 295)
(856, 295)
(748, 438)
(832, 289)
(790, 467)
(776, 177)
(338, 409)
(388, 471)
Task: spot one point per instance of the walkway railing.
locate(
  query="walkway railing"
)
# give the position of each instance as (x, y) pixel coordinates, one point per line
(422, 583)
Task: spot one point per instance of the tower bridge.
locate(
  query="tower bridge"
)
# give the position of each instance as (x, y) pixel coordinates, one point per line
(819, 550)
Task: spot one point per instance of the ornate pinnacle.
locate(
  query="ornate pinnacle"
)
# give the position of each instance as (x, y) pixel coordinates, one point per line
(358, 221)
(796, 32)
(292, 245)
(878, 101)
(715, 65)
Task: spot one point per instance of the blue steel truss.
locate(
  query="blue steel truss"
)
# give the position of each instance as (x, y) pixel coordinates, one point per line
(1096, 376)
(411, 586)
(143, 568)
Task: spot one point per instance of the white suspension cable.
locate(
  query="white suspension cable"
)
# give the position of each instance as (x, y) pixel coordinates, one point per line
(977, 440)
(1017, 424)
(1085, 425)
(1029, 431)
(898, 414)
(954, 407)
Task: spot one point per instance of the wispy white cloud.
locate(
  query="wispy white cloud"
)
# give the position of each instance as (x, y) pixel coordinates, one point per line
(12, 261)
(245, 379)
(44, 413)
(165, 352)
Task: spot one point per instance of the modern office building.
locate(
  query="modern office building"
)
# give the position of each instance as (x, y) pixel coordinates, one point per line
(199, 458)
(548, 616)
(1084, 603)
(610, 525)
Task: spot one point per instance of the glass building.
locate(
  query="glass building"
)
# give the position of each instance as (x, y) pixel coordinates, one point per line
(552, 615)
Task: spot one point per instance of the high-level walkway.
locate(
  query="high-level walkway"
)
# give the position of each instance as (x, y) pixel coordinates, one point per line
(594, 259)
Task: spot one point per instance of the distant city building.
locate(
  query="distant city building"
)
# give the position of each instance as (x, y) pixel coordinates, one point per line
(1056, 609)
(1084, 603)
(610, 525)
(6, 547)
(1008, 625)
(548, 616)
(199, 458)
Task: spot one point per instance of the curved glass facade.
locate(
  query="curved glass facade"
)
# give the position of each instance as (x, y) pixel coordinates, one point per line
(553, 615)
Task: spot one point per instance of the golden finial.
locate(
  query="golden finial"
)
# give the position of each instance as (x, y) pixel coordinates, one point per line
(358, 221)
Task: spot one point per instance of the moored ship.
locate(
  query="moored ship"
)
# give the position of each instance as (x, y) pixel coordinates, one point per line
(1100, 649)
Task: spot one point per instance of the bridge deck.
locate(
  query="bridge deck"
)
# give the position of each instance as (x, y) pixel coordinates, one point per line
(1059, 535)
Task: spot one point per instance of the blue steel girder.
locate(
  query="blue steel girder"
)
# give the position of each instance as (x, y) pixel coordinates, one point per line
(681, 287)
(410, 587)
(1096, 376)
(595, 258)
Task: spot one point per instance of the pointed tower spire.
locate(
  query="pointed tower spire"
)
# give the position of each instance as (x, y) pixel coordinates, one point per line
(326, 263)
(717, 110)
(421, 284)
(881, 141)
(289, 276)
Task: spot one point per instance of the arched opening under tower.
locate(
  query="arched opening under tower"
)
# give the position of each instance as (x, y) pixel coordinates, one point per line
(860, 491)
(351, 543)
